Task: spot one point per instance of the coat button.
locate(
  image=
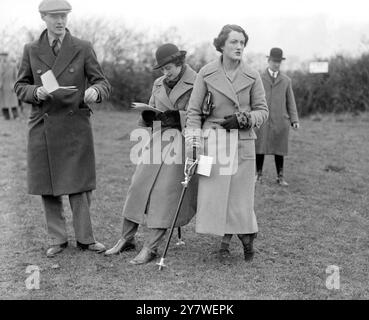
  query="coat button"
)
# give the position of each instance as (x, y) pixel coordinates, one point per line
(70, 112)
(71, 69)
(39, 71)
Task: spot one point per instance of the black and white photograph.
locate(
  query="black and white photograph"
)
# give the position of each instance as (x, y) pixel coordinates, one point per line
(193, 150)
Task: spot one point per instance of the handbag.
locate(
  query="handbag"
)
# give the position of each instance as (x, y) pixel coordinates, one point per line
(207, 106)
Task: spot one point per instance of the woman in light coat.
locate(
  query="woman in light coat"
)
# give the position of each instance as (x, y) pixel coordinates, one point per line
(155, 189)
(225, 203)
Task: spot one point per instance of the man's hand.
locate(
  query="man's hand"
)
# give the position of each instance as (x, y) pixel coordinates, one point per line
(42, 94)
(230, 122)
(91, 95)
(295, 125)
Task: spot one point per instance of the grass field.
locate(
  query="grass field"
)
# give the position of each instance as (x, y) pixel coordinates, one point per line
(321, 219)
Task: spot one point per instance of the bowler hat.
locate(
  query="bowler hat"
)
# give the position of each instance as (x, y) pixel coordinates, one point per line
(54, 6)
(276, 54)
(167, 53)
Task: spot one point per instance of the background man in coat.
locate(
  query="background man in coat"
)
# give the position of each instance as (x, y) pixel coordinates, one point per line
(8, 99)
(272, 137)
(60, 153)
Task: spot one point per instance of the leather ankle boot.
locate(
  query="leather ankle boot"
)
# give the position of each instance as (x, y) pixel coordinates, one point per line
(248, 245)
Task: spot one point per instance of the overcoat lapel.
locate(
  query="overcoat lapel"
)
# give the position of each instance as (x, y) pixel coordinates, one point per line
(278, 79)
(243, 79)
(183, 85)
(162, 95)
(219, 81)
(68, 51)
(266, 77)
(44, 50)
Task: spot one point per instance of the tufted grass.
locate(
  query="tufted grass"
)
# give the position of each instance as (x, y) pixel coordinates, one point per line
(321, 219)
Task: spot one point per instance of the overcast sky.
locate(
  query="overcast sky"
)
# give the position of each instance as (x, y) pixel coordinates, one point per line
(302, 27)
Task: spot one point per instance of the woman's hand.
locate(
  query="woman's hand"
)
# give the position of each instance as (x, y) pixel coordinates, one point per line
(149, 117)
(170, 118)
(230, 122)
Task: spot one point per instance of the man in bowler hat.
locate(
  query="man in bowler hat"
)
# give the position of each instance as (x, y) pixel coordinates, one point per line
(272, 137)
(60, 155)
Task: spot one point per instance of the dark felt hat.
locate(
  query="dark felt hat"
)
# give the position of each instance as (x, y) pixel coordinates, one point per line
(276, 54)
(167, 53)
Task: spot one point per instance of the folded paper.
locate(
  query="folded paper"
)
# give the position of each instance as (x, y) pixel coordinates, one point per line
(51, 84)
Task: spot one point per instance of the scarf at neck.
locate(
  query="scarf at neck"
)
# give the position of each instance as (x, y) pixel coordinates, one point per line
(171, 83)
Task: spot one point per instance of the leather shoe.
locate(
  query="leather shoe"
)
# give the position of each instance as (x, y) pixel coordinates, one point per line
(145, 256)
(259, 177)
(120, 246)
(282, 182)
(97, 247)
(223, 253)
(54, 250)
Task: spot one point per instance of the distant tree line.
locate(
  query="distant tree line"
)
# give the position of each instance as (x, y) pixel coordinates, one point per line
(344, 89)
(127, 57)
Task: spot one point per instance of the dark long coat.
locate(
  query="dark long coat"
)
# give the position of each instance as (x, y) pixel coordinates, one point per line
(155, 189)
(272, 137)
(60, 152)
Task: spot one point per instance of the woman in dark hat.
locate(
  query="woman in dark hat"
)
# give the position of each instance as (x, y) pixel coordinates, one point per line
(226, 198)
(156, 187)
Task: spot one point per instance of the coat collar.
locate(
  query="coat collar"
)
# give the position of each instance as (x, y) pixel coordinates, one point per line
(216, 77)
(183, 85)
(266, 76)
(68, 51)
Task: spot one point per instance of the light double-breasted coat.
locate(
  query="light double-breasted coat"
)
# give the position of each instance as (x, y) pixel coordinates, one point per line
(273, 134)
(8, 76)
(226, 201)
(60, 153)
(155, 188)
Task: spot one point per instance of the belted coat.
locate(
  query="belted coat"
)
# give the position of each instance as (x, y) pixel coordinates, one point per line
(225, 201)
(273, 134)
(156, 187)
(60, 152)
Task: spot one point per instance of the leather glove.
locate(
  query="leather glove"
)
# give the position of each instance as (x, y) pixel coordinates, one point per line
(170, 118)
(230, 122)
(149, 117)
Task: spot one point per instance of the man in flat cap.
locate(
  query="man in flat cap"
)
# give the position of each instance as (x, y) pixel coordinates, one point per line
(61, 158)
(272, 136)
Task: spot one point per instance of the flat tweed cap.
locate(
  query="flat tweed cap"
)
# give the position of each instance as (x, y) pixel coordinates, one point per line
(54, 6)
